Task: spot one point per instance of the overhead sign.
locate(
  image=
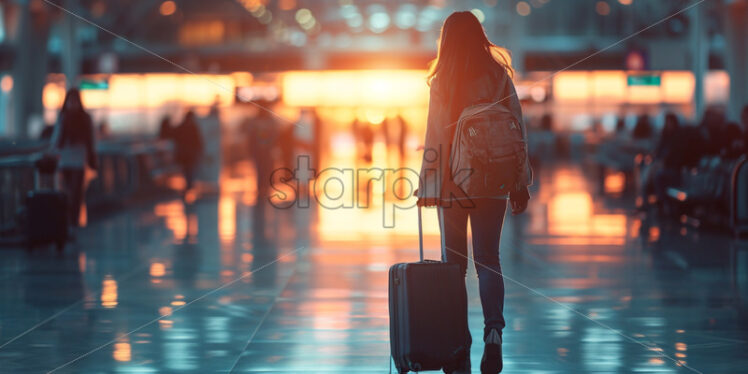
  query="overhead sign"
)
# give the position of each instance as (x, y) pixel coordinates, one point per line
(88, 84)
(643, 80)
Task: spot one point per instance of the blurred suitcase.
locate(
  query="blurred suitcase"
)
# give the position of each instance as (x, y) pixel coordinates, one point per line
(46, 208)
(427, 313)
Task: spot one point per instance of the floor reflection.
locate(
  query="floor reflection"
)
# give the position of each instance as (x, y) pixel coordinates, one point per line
(229, 283)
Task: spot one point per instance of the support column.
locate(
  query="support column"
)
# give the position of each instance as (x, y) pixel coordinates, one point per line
(736, 55)
(70, 56)
(699, 59)
(29, 67)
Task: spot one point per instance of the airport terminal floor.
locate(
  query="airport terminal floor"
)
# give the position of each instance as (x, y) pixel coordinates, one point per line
(221, 285)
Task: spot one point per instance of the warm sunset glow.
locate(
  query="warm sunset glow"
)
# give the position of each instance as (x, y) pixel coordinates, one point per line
(373, 88)
(143, 91)
(571, 86)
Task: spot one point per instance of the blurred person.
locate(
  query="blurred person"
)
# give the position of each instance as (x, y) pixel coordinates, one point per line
(316, 138)
(305, 136)
(402, 138)
(546, 122)
(287, 146)
(643, 128)
(744, 123)
(621, 124)
(165, 129)
(712, 130)
(188, 144)
(47, 132)
(667, 163)
(262, 137)
(103, 130)
(395, 133)
(74, 140)
(470, 70)
(735, 141)
(364, 139)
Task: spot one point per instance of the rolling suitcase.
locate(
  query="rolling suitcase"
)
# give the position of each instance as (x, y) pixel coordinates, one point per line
(427, 313)
(46, 209)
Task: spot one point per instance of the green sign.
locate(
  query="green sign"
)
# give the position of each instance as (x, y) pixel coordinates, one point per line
(643, 80)
(87, 84)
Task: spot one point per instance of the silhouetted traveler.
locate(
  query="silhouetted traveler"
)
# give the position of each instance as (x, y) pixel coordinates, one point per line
(471, 70)
(713, 132)
(165, 130)
(365, 139)
(643, 128)
(735, 143)
(188, 143)
(402, 138)
(395, 133)
(546, 122)
(667, 157)
(744, 123)
(263, 138)
(74, 139)
(621, 124)
(47, 133)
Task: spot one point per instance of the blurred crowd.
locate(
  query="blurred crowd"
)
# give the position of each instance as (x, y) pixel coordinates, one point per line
(682, 170)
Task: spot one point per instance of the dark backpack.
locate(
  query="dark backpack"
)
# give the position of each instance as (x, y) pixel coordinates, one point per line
(489, 151)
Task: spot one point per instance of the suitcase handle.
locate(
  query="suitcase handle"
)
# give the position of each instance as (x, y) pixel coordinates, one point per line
(420, 234)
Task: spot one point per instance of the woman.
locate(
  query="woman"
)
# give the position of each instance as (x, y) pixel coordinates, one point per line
(188, 144)
(469, 70)
(74, 139)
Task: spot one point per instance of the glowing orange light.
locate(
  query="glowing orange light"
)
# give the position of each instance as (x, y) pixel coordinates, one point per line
(523, 8)
(157, 269)
(167, 8)
(372, 88)
(122, 352)
(287, 4)
(109, 292)
(571, 86)
(615, 183)
(226, 217)
(6, 84)
(656, 361)
(176, 220)
(602, 8)
(654, 234)
(82, 262)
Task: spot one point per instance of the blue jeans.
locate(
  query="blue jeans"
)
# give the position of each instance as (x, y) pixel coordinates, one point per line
(486, 220)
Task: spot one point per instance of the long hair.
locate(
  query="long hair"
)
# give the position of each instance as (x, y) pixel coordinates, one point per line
(72, 97)
(465, 52)
(74, 120)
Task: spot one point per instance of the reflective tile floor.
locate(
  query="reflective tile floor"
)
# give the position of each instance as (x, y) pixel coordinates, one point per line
(223, 285)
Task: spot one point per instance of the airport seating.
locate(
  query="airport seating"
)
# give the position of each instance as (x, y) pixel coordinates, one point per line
(128, 168)
(705, 193)
(620, 155)
(739, 197)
